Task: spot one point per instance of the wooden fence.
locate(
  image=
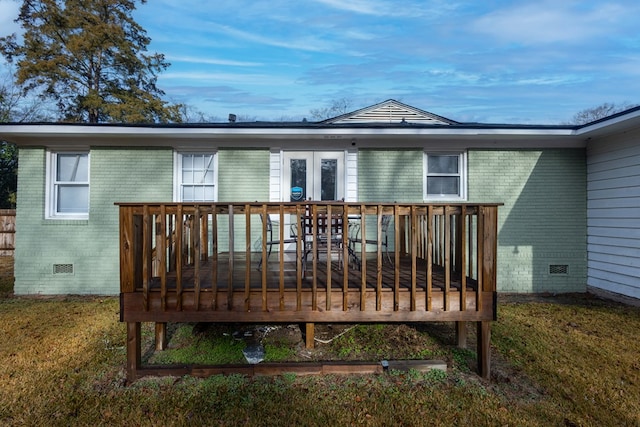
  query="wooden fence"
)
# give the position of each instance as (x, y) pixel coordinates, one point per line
(7, 231)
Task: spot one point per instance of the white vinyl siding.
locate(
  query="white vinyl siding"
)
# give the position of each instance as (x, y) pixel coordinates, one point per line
(351, 184)
(613, 215)
(68, 185)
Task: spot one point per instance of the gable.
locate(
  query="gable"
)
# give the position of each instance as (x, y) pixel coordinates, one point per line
(390, 111)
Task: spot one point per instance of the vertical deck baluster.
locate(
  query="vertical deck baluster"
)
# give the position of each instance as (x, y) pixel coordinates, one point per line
(363, 257)
(179, 224)
(345, 253)
(316, 232)
(192, 239)
(231, 260)
(420, 238)
(300, 249)
(247, 257)
(281, 253)
(214, 256)
(471, 244)
(197, 248)
(146, 255)
(204, 235)
(379, 211)
(396, 281)
(171, 261)
(480, 256)
(329, 255)
(263, 264)
(414, 256)
(457, 236)
(447, 257)
(462, 240)
(161, 238)
(430, 221)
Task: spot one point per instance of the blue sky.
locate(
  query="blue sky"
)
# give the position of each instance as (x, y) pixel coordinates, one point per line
(491, 61)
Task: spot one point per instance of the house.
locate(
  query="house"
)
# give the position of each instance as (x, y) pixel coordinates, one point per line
(570, 194)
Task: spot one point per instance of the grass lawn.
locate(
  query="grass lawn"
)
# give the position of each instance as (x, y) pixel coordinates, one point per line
(558, 361)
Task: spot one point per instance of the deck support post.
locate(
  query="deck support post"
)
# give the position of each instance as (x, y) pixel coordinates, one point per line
(484, 348)
(161, 336)
(134, 354)
(310, 335)
(461, 334)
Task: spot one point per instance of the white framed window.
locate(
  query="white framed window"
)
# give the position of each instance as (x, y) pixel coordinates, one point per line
(445, 176)
(67, 195)
(196, 177)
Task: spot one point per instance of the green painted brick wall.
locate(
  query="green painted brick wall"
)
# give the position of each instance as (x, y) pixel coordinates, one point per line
(116, 175)
(243, 176)
(390, 175)
(542, 223)
(543, 220)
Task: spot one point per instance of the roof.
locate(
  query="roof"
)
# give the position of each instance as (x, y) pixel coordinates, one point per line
(384, 125)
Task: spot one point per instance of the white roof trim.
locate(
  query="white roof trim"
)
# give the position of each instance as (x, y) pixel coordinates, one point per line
(615, 124)
(36, 130)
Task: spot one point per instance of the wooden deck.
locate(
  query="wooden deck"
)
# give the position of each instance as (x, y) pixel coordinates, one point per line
(212, 263)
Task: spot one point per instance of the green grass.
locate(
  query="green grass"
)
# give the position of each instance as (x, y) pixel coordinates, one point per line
(202, 350)
(569, 361)
(6, 287)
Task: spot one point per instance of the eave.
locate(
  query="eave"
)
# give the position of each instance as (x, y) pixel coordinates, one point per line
(291, 136)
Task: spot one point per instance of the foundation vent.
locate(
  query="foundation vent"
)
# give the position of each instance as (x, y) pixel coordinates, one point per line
(556, 269)
(62, 268)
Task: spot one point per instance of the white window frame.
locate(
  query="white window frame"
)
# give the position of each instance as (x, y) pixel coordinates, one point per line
(51, 193)
(462, 174)
(177, 174)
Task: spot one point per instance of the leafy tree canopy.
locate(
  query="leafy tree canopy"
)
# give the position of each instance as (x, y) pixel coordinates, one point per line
(8, 175)
(90, 57)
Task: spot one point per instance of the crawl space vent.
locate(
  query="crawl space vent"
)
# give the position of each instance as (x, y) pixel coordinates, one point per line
(558, 269)
(62, 268)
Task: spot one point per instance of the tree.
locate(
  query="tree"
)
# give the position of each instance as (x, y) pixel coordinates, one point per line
(14, 107)
(336, 108)
(191, 114)
(89, 56)
(589, 115)
(8, 175)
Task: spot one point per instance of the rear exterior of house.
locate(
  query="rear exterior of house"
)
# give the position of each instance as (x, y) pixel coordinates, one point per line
(70, 177)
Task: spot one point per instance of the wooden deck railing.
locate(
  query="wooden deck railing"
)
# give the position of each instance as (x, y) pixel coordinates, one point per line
(224, 262)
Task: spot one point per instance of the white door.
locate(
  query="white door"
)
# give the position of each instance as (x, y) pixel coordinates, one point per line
(313, 175)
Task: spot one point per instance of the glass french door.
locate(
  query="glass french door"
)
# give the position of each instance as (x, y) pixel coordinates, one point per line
(313, 175)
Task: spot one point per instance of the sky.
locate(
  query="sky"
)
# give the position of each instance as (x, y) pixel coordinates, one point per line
(529, 62)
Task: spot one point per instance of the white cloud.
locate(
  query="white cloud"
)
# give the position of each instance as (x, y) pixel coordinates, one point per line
(358, 6)
(221, 78)
(312, 44)
(410, 9)
(211, 61)
(550, 22)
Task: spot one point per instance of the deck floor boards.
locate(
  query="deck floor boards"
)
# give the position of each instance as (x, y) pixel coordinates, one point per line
(290, 278)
